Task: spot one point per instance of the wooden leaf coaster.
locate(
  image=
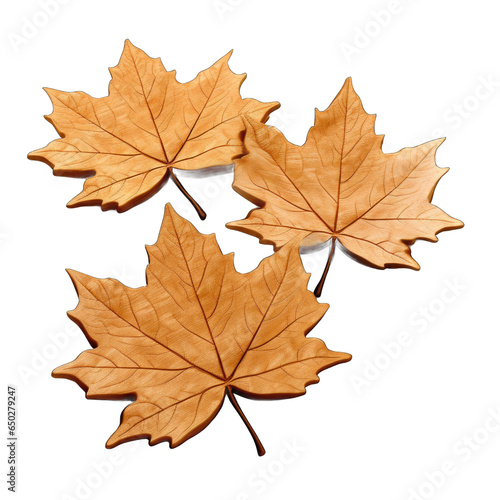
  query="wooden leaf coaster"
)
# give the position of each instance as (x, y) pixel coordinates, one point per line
(340, 185)
(128, 142)
(197, 332)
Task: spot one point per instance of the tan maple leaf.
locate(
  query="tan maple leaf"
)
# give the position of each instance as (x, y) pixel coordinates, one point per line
(128, 142)
(198, 331)
(340, 185)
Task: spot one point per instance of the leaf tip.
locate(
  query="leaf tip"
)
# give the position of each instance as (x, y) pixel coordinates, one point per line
(348, 85)
(246, 120)
(253, 125)
(50, 92)
(225, 59)
(414, 266)
(75, 277)
(111, 443)
(169, 209)
(346, 357)
(128, 45)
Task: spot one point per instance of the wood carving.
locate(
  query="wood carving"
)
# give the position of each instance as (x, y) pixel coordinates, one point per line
(340, 185)
(198, 331)
(128, 142)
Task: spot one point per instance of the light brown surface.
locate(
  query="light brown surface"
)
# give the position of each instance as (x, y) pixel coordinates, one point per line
(149, 124)
(341, 185)
(197, 331)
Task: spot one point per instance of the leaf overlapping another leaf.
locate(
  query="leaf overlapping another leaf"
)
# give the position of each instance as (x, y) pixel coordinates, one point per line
(128, 142)
(340, 185)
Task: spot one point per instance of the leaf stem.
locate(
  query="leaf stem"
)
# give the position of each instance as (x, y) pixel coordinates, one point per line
(319, 287)
(260, 449)
(191, 200)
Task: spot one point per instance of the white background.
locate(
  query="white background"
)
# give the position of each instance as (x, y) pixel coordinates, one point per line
(422, 69)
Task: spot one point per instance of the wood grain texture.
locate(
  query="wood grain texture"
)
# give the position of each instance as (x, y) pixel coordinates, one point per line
(198, 331)
(340, 185)
(128, 142)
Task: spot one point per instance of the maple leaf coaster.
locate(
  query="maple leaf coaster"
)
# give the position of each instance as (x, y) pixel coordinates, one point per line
(129, 142)
(340, 186)
(198, 331)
